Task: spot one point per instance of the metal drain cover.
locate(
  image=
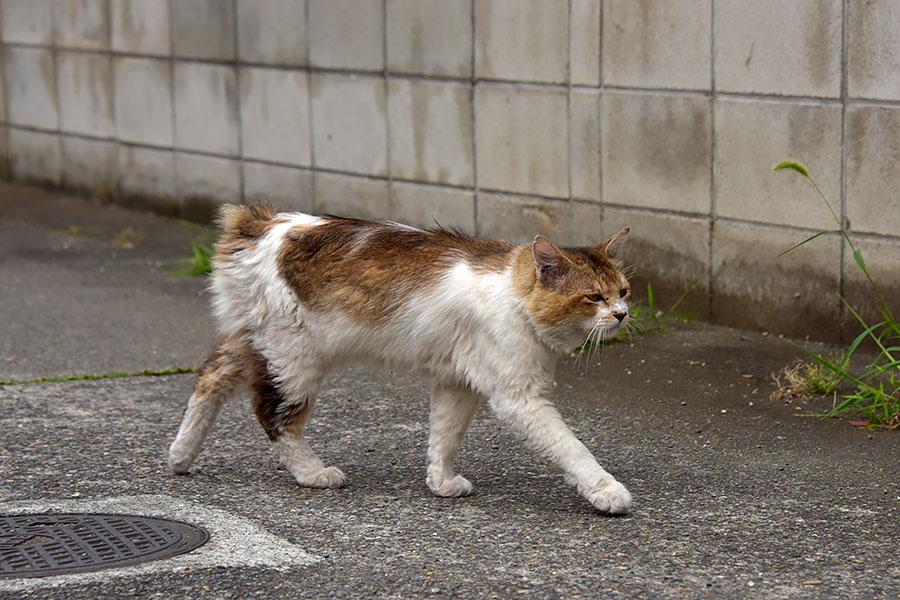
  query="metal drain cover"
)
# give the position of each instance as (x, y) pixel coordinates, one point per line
(40, 545)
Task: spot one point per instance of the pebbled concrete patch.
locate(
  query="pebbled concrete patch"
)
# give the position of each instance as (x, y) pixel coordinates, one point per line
(233, 541)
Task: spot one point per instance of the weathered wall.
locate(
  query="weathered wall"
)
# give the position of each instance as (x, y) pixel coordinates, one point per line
(571, 118)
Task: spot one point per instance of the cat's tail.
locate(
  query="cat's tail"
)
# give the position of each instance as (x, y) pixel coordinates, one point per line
(224, 370)
(245, 220)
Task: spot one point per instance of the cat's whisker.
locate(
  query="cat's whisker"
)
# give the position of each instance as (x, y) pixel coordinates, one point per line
(588, 344)
(635, 332)
(636, 326)
(581, 351)
(595, 342)
(598, 341)
(585, 345)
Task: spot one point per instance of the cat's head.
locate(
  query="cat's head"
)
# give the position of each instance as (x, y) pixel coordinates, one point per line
(576, 294)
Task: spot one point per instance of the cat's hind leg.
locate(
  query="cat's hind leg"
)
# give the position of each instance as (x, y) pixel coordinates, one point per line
(221, 373)
(452, 407)
(282, 405)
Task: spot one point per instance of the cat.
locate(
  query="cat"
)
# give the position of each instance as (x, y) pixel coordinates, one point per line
(296, 295)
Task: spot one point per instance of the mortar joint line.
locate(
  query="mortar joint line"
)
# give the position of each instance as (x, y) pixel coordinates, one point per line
(599, 108)
(713, 209)
(387, 111)
(476, 190)
(313, 202)
(557, 86)
(569, 115)
(54, 68)
(112, 99)
(845, 85)
(239, 116)
(172, 117)
(5, 166)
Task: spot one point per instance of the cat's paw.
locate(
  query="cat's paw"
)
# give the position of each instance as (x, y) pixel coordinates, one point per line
(609, 496)
(179, 460)
(179, 468)
(328, 477)
(449, 488)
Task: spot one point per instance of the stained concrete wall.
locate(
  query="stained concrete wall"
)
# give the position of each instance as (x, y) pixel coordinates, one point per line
(508, 118)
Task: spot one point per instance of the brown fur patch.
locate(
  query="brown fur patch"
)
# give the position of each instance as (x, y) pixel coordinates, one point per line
(295, 420)
(242, 225)
(225, 367)
(269, 404)
(265, 396)
(246, 220)
(367, 269)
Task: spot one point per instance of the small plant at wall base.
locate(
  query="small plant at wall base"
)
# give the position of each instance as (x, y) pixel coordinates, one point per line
(649, 317)
(200, 261)
(877, 387)
(802, 379)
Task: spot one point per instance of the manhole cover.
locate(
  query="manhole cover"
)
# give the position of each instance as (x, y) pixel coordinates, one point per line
(40, 545)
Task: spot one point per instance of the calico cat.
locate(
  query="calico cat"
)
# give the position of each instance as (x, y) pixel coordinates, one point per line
(297, 295)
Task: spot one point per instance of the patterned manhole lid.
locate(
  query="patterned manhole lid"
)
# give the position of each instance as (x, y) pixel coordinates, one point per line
(40, 545)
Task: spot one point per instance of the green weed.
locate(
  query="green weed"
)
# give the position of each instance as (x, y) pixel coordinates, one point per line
(173, 370)
(877, 386)
(200, 260)
(649, 317)
(201, 252)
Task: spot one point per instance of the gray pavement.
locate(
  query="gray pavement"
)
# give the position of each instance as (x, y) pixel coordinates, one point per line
(735, 496)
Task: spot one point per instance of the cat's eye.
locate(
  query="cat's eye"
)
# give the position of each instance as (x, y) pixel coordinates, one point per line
(623, 292)
(594, 297)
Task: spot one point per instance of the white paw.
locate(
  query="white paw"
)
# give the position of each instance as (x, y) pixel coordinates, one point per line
(449, 488)
(609, 496)
(179, 461)
(329, 477)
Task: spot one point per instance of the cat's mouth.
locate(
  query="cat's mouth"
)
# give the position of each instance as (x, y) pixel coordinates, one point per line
(609, 330)
(612, 326)
(602, 329)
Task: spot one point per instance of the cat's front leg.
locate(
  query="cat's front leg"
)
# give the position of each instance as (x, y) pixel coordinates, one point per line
(452, 407)
(541, 426)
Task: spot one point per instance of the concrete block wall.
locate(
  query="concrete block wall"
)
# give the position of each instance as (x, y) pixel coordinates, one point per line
(571, 118)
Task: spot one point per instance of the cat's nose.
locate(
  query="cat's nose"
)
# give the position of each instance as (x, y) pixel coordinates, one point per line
(620, 316)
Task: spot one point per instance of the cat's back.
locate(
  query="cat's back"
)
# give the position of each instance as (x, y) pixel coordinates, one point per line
(366, 246)
(368, 269)
(329, 239)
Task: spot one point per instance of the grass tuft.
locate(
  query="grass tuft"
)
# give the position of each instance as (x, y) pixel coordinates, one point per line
(199, 262)
(802, 379)
(877, 386)
(201, 251)
(650, 317)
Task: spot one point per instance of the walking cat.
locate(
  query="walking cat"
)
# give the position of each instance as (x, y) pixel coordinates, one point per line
(297, 295)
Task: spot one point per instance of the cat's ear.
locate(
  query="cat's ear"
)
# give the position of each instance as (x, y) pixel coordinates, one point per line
(547, 258)
(613, 244)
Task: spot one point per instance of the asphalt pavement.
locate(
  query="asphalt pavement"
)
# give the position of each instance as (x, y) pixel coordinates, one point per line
(736, 495)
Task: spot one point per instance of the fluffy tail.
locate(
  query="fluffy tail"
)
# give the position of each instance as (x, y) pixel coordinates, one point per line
(245, 221)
